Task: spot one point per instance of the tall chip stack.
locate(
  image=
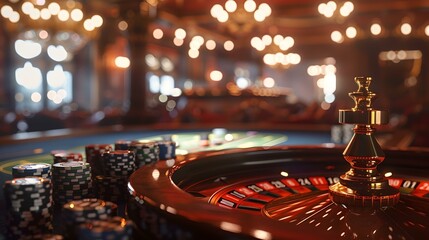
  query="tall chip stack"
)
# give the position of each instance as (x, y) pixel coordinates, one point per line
(93, 153)
(71, 181)
(28, 207)
(118, 165)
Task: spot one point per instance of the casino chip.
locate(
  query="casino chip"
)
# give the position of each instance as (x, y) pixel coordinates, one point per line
(71, 181)
(28, 206)
(122, 145)
(32, 170)
(93, 153)
(111, 228)
(67, 157)
(78, 212)
(167, 149)
(145, 152)
(119, 163)
(111, 188)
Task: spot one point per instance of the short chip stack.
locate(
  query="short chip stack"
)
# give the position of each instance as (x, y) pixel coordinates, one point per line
(111, 228)
(145, 152)
(28, 204)
(93, 154)
(78, 212)
(32, 170)
(71, 181)
(167, 149)
(68, 157)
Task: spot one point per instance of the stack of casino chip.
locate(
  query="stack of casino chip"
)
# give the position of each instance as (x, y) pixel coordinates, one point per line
(118, 166)
(145, 152)
(28, 206)
(93, 154)
(32, 170)
(71, 181)
(111, 228)
(167, 149)
(110, 188)
(77, 212)
(119, 163)
(67, 157)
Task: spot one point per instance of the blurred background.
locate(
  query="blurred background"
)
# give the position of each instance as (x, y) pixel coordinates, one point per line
(90, 63)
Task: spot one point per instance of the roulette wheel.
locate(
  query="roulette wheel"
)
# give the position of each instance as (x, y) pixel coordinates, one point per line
(289, 192)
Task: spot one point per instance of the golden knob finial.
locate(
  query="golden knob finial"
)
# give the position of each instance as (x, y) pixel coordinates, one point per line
(363, 185)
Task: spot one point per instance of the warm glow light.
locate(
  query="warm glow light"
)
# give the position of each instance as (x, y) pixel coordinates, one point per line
(122, 62)
(43, 34)
(230, 6)
(178, 42)
(158, 33)
(210, 44)
(375, 29)
(122, 25)
(337, 37)
(36, 97)
(97, 20)
(14, 17)
(351, 32)
(35, 14)
(427, 30)
(346, 9)
(269, 82)
(63, 15)
(180, 33)
(406, 28)
(27, 7)
(54, 8)
(214, 11)
(222, 16)
(313, 70)
(216, 75)
(193, 53)
(267, 39)
(249, 5)
(45, 14)
(76, 15)
(228, 45)
(88, 25)
(6, 11)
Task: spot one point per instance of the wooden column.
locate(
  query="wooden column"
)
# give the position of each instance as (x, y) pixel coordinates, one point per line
(138, 17)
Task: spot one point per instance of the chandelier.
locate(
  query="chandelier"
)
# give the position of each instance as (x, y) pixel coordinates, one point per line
(50, 22)
(240, 18)
(275, 50)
